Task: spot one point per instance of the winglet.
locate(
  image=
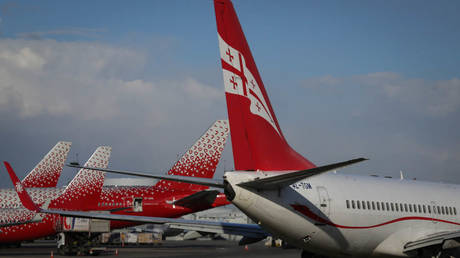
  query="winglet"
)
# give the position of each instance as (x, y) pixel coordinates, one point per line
(22, 192)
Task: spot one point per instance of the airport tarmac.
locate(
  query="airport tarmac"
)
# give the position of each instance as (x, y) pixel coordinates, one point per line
(197, 248)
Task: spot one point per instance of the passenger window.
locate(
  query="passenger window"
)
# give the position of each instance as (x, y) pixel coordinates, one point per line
(358, 204)
(353, 204)
(401, 206)
(450, 211)
(364, 205)
(415, 207)
(429, 209)
(373, 205)
(378, 206)
(397, 206)
(455, 211)
(368, 205)
(419, 209)
(383, 206)
(410, 207)
(438, 209)
(442, 210)
(348, 204)
(405, 207)
(424, 208)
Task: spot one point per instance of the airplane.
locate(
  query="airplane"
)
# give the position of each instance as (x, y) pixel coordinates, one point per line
(325, 214)
(165, 198)
(84, 189)
(44, 175)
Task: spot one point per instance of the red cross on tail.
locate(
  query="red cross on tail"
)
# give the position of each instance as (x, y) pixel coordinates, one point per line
(257, 140)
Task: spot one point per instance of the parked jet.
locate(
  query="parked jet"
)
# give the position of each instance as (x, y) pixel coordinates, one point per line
(170, 199)
(322, 213)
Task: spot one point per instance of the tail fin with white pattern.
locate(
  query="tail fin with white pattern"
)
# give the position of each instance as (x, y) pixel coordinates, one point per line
(83, 191)
(47, 172)
(201, 159)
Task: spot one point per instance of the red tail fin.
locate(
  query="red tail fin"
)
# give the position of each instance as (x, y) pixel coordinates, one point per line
(84, 189)
(21, 190)
(257, 140)
(48, 170)
(201, 159)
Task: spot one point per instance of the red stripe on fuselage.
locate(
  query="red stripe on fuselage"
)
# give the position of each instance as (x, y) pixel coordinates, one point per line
(307, 212)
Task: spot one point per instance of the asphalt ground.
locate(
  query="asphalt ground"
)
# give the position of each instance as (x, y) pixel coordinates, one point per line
(197, 248)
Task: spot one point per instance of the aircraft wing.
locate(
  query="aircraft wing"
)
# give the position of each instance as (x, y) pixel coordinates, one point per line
(183, 179)
(272, 182)
(275, 182)
(442, 240)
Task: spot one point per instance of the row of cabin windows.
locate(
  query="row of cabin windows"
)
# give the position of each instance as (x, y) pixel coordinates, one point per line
(402, 207)
(109, 204)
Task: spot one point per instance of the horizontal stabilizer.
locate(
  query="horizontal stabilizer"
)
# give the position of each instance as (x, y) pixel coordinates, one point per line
(275, 182)
(184, 179)
(199, 200)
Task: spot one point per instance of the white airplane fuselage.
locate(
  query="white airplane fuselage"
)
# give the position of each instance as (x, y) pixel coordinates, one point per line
(321, 213)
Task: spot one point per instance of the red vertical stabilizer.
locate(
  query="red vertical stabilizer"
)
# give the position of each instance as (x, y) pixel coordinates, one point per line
(48, 170)
(201, 159)
(257, 140)
(84, 190)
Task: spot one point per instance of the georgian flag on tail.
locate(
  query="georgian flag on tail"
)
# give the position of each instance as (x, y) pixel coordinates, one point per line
(239, 80)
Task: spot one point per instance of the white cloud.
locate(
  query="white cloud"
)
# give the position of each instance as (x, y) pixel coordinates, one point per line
(430, 97)
(90, 81)
(25, 58)
(85, 32)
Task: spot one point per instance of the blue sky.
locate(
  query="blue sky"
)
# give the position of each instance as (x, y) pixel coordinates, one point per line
(346, 78)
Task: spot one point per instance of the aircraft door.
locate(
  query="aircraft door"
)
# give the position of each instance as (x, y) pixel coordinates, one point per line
(324, 200)
(137, 204)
